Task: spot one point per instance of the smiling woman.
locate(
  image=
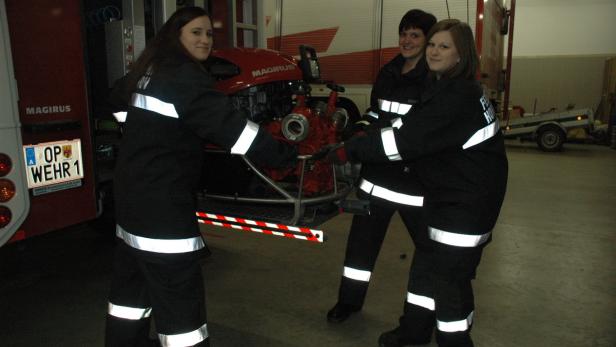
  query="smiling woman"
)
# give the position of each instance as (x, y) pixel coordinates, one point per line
(441, 53)
(197, 37)
(172, 107)
(452, 144)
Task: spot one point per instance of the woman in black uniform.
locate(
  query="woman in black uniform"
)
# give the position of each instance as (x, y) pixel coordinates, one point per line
(172, 108)
(458, 154)
(389, 187)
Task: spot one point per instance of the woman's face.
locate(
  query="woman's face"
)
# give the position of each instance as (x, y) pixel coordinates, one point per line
(197, 37)
(411, 42)
(441, 52)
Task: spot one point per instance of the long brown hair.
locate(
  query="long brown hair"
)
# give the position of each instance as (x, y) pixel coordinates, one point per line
(465, 44)
(165, 45)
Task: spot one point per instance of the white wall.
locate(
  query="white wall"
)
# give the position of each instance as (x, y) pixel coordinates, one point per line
(564, 27)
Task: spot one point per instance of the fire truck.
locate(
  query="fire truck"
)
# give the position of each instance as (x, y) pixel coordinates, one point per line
(355, 39)
(58, 138)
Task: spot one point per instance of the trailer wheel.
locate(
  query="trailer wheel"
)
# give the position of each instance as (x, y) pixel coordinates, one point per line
(551, 139)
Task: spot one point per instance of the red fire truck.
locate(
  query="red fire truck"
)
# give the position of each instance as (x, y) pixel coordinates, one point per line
(58, 139)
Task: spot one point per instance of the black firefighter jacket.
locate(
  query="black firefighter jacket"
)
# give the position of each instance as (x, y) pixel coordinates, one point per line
(160, 158)
(393, 95)
(457, 149)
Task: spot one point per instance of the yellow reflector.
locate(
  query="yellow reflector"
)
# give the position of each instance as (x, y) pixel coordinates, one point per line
(7, 190)
(5, 216)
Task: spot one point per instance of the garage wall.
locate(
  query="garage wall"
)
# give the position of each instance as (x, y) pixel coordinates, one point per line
(557, 81)
(559, 52)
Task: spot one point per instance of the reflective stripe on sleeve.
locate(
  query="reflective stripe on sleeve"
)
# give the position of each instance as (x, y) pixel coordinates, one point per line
(420, 300)
(396, 122)
(120, 116)
(355, 274)
(160, 245)
(246, 138)
(452, 327)
(482, 134)
(373, 114)
(394, 107)
(153, 104)
(186, 339)
(389, 144)
(125, 312)
(455, 239)
(390, 195)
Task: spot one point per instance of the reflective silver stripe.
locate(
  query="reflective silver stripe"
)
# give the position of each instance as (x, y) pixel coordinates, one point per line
(389, 144)
(160, 245)
(404, 108)
(482, 134)
(373, 114)
(420, 300)
(186, 339)
(384, 105)
(394, 107)
(120, 116)
(455, 239)
(384, 193)
(396, 122)
(355, 274)
(150, 103)
(125, 312)
(248, 135)
(460, 325)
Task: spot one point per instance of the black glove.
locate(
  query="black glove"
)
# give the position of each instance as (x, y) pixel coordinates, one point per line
(332, 153)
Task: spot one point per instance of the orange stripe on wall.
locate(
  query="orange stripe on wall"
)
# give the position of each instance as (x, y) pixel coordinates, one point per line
(356, 67)
(320, 40)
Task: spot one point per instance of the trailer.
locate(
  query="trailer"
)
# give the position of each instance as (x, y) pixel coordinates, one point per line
(549, 130)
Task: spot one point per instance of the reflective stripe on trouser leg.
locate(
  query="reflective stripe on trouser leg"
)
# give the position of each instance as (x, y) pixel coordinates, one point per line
(178, 299)
(185, 339)
(455, 325)
(420, 300)
(455, 268)
(126, 312)
(363, 245)
(419, 316)
(458, 239)
(128, 318)
(356, 274)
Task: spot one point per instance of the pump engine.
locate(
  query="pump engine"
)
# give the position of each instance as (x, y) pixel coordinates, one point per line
(271, 89)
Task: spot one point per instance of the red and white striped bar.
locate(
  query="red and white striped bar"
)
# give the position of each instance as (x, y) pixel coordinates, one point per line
(292, 232)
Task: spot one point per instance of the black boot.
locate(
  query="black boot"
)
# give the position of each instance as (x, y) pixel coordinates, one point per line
(399, 338)
(340, 312)
(456, 339)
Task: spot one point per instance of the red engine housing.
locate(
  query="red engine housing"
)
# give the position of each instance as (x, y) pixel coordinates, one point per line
(243, 73)
(256, 66)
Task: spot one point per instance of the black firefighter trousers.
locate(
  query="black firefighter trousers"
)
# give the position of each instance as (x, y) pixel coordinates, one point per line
(439, 272)
(171, 285)
(364, 244)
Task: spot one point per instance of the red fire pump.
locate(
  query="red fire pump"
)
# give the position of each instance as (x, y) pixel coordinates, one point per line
(272, 90)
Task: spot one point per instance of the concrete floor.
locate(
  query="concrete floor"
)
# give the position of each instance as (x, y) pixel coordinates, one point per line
(547, 279)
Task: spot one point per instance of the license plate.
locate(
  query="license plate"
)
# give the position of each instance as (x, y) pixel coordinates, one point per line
(53, 162)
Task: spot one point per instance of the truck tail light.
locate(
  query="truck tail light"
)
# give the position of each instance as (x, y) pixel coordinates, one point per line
(5, 164)
(5, 216)
(7, 190)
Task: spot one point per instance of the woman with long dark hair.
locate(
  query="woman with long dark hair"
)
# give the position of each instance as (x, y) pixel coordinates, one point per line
(172, 108)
